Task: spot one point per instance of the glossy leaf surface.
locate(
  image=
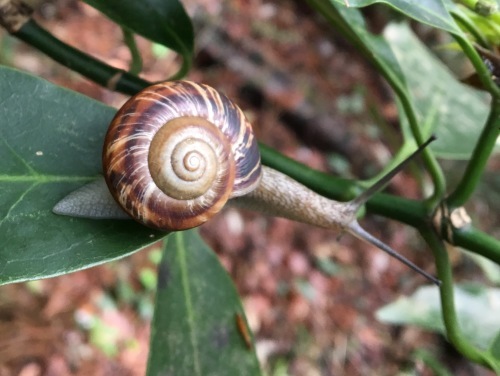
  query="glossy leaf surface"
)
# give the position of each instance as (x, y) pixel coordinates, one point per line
(430, 12)
(194, 330)
(164, 22)
(453, 111)
(477, 312)
(51, 140)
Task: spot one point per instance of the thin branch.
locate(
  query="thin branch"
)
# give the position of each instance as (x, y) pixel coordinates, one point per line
(15, 17)
(453, 331)
(477, 163)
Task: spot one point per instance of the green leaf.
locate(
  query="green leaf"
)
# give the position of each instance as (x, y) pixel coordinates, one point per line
(495, 346)
(490, 269)
(379, 49)
(477, 310)
(194, 329)
(51, 140)
(430, 12)
(380, 52)
(453, 111)
(164, 22)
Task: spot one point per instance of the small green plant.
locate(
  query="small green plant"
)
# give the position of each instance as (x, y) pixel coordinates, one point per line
(51, 141)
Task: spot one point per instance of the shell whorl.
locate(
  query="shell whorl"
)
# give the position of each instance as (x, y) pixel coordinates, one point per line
(188, 139)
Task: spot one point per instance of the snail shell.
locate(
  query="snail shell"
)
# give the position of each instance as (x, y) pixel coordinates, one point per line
(176, 152)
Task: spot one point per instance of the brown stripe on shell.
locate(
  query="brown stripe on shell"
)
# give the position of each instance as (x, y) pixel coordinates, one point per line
(126, 148)
(191, 99)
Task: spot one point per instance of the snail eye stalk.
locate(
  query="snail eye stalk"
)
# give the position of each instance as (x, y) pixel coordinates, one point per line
(172, 165)
(379, 185)
(355, 228)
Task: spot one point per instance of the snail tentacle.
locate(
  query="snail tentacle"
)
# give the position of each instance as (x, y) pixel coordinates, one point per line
(176, 152)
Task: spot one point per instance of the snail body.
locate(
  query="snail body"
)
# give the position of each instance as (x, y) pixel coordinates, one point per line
(177, 152)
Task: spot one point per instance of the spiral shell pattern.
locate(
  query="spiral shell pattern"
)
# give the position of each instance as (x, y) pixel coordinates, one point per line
(176, 152)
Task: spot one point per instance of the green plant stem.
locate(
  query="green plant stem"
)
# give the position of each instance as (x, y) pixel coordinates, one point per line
(487, 140)
(495, 21)
(477, 163)
(484, 8)
(481, 69)
(430, 161)
(470, 26)
(103, 74)
(411, 212)
(74, 59)
(453, 331)
(100, 72)
(482, 244)
(331, 13)
(136, 63)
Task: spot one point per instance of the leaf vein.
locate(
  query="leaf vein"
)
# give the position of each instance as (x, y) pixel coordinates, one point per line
(20, 198)
(188, 299)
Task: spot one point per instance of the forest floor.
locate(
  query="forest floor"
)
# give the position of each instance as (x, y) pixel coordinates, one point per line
(310, 297)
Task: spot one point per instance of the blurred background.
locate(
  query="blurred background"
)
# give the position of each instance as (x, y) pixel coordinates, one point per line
(309, 296)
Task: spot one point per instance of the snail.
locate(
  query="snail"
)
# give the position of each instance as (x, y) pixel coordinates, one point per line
(177, 152)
